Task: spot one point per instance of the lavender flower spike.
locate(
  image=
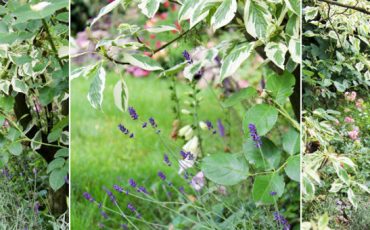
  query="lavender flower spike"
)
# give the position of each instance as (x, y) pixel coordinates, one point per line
(166, 160)
(161, 175)
(132, 183)
(221, 128)
(254, 135)
(88, 197)
(187, 56)
(133, 113)
(111, 196)
(281, 221)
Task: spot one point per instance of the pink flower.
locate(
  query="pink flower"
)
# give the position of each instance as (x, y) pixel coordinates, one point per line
(359, 103)
(198, 181)
(137, 72)
(354, 133)
(349, 120)
(336, 122)
(350, 96)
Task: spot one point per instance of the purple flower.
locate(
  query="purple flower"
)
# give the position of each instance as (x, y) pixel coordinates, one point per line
(88, 197)
(182, 189)
(118, 188)
(111, 196)
(218, 60)
(101, 225)
(36, 207)
(133, 113)
(131, 207)
(281, 221)
(138, 216)
(131, 135)
(161, 175)
(123, 129)
(273, 193)
(124, 227)
(145, 124)
(166, 160)
(152, 122)
(221, 128)
(142, 189)
(132, 183)
(104, 214)
(187, 56)
(209, 125)
(254, 135)
(198, 181)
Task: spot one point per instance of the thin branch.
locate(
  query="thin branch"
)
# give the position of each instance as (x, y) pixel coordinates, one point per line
(115, 61)
(50, 39)
(359, 9)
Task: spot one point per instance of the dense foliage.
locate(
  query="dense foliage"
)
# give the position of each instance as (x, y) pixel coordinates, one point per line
(34, 112)
(336, 77)
(221, 185)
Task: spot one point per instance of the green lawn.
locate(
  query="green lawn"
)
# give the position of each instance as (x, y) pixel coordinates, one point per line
(102, 156)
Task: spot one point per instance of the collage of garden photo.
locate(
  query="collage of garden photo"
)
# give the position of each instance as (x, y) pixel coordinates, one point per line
(184, 114)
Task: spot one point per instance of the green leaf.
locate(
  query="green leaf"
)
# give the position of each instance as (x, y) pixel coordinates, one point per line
(293, 169)
(293, 26)
(6, 103)
(281, 87)
(341, 172)
(336, 186)
(149, 7)
(323, 222)
(62, 153)
(310, 12)
(263, 116)
(161, 28)
(291, 141)
(57, 163)
(276, 53)
(352, 198)
(174, 70)
(105, 10)
(192, 69)
(225, 169)
(264, 185)
(15, 148)
(232, 62)
(243, 94)
(186, 9)
(295, 49)
(224, 14)
(294, 6)
(142, 61)
(97, 86)
(120, 95)
(39, 10)
(19, 86)
(257, 18)
(271, 154)
(56, 178)
(46, 95)
(38, 139)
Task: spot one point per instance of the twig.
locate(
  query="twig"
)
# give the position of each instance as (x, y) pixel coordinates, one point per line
(359, 9)
(50, 39)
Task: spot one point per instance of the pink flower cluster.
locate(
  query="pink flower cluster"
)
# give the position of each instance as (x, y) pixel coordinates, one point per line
(349, 120)
(350, 96)
(354, 134)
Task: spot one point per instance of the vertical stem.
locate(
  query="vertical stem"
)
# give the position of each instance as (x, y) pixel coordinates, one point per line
(50, 39)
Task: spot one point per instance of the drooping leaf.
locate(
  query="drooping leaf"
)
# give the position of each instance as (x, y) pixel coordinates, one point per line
(142, 61)
(57, 163)
(257, 18)
(224, 14)
(36, 141)
(291, 141)
(174, 70)
(263, 116)
(295, 49)
(294, 6)
(57, 178)
(264, 185)
(106, 9)
(149, 7)
(15, 148)
(95, 95)
(187, 8)
(120, 95)
(225, 169)
(232, 62)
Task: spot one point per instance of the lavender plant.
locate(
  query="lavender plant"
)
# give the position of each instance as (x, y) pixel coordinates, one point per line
(210, 188)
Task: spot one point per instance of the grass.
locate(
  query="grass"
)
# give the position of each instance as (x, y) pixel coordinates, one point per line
(102, 156)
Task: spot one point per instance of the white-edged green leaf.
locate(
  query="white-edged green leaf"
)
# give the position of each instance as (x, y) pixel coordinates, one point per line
(295, 49)
(187, 8)
(276, 53)
(149, 7)
(192, 69)
(224, 14)
(363, 187)
(257, 18)
(105, 10)
(97, 86)
(19, 86)
(142, 61)
(174, 70)
(232, 62)
(36, 141)
(310, 12)
(120, 95)
(160, 29)
(200, 12)
(293, 26)
(294, 6)
(336, 186)
(352, 198)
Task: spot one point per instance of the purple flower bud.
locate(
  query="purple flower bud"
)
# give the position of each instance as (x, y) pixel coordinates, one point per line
(104, 214)
(254, 135)
(88, 197)
(166, 160)
(124, 227)
(142, 189)
(132, 183)
(209, 125)
(273, 193)
(145, 124)
(152, 122)
(221, 128)
(161, 175)
(187, 56)
(281, 220)
(118, 188)
(133, 113)
(111, 196)
(131, 207)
